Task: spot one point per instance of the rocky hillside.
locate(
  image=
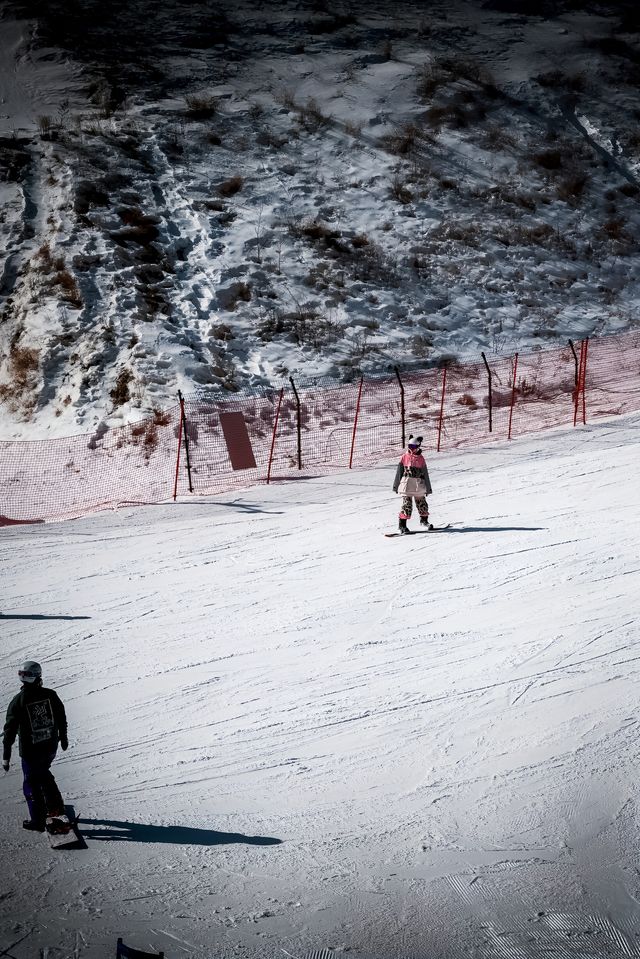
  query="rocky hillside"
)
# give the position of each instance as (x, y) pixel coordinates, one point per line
(198, 196)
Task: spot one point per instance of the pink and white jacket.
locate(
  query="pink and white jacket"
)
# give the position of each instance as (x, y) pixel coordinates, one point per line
(414, 465)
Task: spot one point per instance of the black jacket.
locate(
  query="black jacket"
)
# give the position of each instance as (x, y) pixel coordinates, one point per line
(37, 716)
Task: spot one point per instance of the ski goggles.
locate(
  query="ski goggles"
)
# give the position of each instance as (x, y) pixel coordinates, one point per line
(27, 676)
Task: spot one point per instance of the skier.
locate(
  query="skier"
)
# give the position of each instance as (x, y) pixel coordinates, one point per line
(412, 482)
(36, 715)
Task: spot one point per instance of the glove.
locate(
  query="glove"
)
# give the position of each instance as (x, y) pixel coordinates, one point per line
(5, 765)
(64, 744)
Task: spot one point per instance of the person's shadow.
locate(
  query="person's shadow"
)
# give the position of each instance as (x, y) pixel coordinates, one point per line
(114, 830)
(37, 616)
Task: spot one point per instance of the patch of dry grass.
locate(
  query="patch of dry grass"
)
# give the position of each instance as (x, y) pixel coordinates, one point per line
(231, 186)
(22, 366)
(121, 393)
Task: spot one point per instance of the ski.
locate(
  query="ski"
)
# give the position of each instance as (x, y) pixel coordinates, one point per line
(413, 532)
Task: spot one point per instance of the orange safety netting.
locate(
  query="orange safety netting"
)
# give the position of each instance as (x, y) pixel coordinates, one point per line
(333, 427)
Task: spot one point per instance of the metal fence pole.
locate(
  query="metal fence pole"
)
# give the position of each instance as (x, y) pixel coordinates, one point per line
(490, 393)
(298, 424)
(444, 385)
(575, 361)
(576, 392)
(175, 485)
(401, 384)
(183, 417)
(273, 438)
(513, 393)
(584, 381)
(355, 423)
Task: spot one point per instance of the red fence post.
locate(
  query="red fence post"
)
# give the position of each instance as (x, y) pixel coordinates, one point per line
(584, 381)
(513, 393)
(355, 423)
(576, 398)
(175, 485)
(444, 384)
(273, 438)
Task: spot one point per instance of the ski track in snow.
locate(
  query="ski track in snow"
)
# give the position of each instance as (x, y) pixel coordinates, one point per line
(440, 731)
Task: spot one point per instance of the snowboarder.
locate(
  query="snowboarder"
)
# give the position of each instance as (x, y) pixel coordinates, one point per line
(412, 482)
(36, 715)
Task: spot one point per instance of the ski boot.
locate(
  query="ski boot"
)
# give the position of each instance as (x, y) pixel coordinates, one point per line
(33, 824)
(58, 825)
(402, 527)
(425, 522)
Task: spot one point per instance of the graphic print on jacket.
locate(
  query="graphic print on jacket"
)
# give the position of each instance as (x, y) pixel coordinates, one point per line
(43, 725)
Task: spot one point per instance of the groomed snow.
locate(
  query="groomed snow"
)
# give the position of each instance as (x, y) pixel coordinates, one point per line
(441, 732)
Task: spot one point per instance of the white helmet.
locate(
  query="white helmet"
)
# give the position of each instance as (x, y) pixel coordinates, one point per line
(30, 672)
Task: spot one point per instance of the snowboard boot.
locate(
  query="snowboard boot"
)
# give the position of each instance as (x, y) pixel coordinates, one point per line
(33, 824)
(425, 522)
(402, 527)
(57, 826)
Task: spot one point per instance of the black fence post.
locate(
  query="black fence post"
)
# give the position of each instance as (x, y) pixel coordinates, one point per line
(299, 426)
(186, 437)
(575, 360)
(490, 393)
(401, 384)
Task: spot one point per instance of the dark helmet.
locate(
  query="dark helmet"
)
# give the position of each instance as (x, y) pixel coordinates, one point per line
(30, 672)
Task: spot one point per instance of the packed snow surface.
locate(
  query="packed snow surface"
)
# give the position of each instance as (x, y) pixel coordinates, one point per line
(288, 733)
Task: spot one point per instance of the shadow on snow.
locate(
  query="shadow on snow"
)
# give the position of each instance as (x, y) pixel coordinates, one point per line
(37, 616)
(113, 830)
(495, 529)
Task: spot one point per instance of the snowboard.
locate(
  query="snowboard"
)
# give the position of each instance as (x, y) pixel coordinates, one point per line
(413, 532)
(61, 830)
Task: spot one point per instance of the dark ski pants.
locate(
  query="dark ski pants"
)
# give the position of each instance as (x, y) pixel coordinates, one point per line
(40, 788)
(421, 505)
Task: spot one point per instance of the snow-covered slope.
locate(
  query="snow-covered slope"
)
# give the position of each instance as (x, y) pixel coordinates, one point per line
(440, 732)
(222, 198)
